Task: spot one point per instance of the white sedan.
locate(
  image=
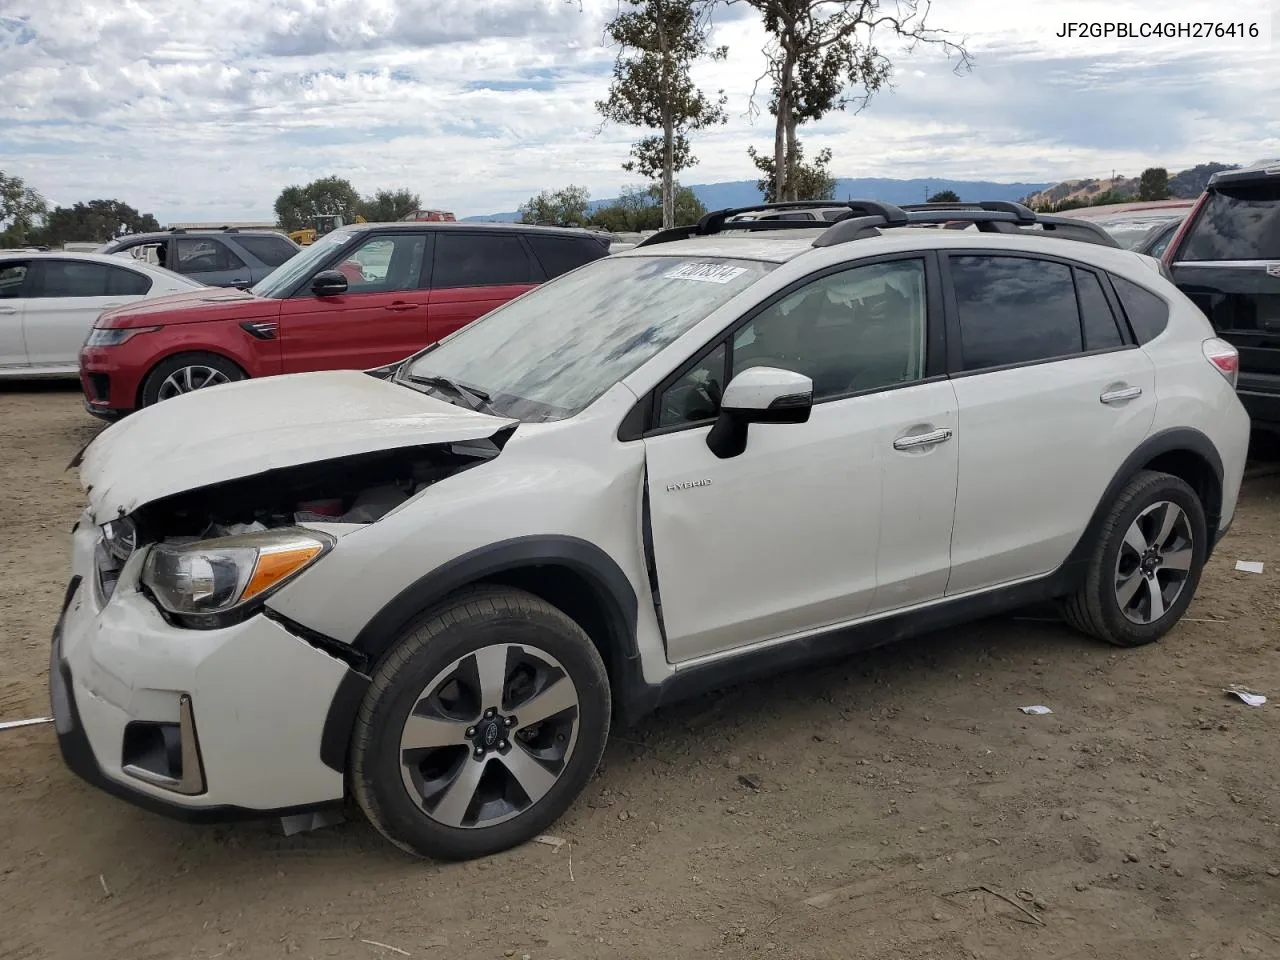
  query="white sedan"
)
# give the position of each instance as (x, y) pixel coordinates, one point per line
(49, 301)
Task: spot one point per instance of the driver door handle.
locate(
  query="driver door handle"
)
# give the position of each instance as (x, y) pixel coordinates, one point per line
(402, 306)
(922, 439)
(1117, 396)
(8, 309)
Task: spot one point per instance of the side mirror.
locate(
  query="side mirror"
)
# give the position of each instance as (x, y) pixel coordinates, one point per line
(329, 283)
(758, 395)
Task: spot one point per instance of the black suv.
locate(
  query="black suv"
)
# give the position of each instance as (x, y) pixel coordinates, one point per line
(1226, 258)
(226, 257)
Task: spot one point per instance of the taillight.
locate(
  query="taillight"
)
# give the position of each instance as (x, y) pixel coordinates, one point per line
(1225, 357)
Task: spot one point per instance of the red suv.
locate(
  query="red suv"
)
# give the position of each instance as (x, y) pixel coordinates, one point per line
(361, 297)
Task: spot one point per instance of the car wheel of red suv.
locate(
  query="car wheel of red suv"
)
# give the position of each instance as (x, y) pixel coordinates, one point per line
(186, 372)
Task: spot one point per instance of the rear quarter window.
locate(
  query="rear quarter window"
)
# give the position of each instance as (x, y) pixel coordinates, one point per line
(561, 254)
(1236, 222)
(1148, 314)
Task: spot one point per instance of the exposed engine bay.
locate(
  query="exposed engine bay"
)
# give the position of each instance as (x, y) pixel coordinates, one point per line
(358, 489)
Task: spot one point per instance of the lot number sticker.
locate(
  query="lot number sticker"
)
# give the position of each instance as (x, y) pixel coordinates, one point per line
(705, 272)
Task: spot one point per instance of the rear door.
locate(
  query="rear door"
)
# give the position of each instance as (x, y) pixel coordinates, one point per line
(14, 284)
(268, 250)
(382, 317)
(1227, 260)
(209, 261)
(65, 298)
(1053, 396)
(474, 272)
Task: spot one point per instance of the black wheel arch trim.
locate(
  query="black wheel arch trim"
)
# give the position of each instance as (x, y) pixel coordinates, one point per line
(611, 589)
(1173, 440)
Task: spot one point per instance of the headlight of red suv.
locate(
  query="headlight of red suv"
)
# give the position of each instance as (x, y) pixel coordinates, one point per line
(114, 336)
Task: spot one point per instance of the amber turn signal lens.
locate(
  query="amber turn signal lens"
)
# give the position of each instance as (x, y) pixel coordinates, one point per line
(275, 564)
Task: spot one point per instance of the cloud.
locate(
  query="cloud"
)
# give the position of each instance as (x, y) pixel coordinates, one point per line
(204, 111)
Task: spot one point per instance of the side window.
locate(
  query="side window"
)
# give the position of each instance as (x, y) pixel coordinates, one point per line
(126, 283)
(480, 260)
(695, 397)
(11, 277)
(152, 252)
(561, 254)
(1014, 310)
(272, 251)
(385, 264)
(1100, 330)
(204, 255)
(1148, 314)
(71, 278)
(859, 329)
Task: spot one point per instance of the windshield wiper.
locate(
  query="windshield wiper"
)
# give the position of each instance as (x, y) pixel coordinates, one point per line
(477, 400)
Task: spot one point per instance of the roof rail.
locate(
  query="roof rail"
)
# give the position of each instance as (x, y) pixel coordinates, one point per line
(223, 229)
(1023, 213)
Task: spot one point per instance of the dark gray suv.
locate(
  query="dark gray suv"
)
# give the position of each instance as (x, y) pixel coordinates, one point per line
(227, 257)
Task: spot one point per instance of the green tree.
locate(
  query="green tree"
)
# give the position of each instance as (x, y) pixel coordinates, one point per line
(386, 206)
(807, 181)
(658, 41)
(97, 221)
(822, 57)
(21, 209)
(327, 196)
(567, 207)
(945, 196)
(1154, 184)
(640, 208)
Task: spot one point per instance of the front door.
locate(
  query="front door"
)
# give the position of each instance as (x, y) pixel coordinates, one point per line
(1052, 401)
(210, 261)
(381, 318)
(820, 523)
(14, 280)
(65, 297)
(474, 273)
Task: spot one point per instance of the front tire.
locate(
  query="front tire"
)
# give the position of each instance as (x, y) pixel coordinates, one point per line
(1145, 565)
(186, 372)
(481, 726)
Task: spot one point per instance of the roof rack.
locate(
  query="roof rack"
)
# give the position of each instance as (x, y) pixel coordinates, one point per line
(866, 218)
(223, 229)
(715, 222)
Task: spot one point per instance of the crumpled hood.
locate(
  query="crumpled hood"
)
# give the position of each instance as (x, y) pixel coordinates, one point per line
(241, 429)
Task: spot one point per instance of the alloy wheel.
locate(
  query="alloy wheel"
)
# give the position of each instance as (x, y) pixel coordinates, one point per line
(1154, 562)
(489, 736)
(187, 379)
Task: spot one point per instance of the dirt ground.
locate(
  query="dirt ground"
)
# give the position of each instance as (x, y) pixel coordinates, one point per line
(905, 809)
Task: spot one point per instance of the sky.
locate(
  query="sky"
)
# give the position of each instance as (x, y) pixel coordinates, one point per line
(197, 110)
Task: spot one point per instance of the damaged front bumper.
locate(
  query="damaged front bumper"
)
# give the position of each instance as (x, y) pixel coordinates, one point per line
(246, 721)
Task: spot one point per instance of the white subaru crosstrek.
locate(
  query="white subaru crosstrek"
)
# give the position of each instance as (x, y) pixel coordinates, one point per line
(735, 448)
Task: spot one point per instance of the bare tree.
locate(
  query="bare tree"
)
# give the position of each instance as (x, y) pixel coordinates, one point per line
(823, 56)
(658, 41)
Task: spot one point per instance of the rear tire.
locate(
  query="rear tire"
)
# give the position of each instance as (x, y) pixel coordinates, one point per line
(1145, 565)
(185, 372)
(481, 726)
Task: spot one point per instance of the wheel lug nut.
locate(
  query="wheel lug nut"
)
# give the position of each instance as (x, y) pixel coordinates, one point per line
(479, 752)
(471, 731)
(510, 721)
(502, 744)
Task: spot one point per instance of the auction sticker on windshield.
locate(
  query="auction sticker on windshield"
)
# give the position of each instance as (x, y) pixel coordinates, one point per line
(705, 272)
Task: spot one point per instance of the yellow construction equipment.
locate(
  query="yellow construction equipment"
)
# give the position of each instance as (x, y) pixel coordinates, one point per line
(320, 225)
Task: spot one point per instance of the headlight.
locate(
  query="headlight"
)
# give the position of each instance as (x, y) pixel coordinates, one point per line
(114, 336)
(202, 583)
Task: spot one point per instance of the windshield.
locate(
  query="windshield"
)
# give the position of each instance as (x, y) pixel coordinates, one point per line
(1237, 222)
(280, 280)
(1129, 232)
(549, 354)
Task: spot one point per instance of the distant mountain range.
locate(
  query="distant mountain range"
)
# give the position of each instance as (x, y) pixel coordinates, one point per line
(1186, 184)
(742, 193)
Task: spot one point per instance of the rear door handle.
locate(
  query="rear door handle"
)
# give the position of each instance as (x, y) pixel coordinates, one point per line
(922, 439)
(403, 306)
(1118, 396)
(8, 309)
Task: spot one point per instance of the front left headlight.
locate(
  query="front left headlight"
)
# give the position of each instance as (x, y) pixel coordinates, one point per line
(114, 336)
(205, 584)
